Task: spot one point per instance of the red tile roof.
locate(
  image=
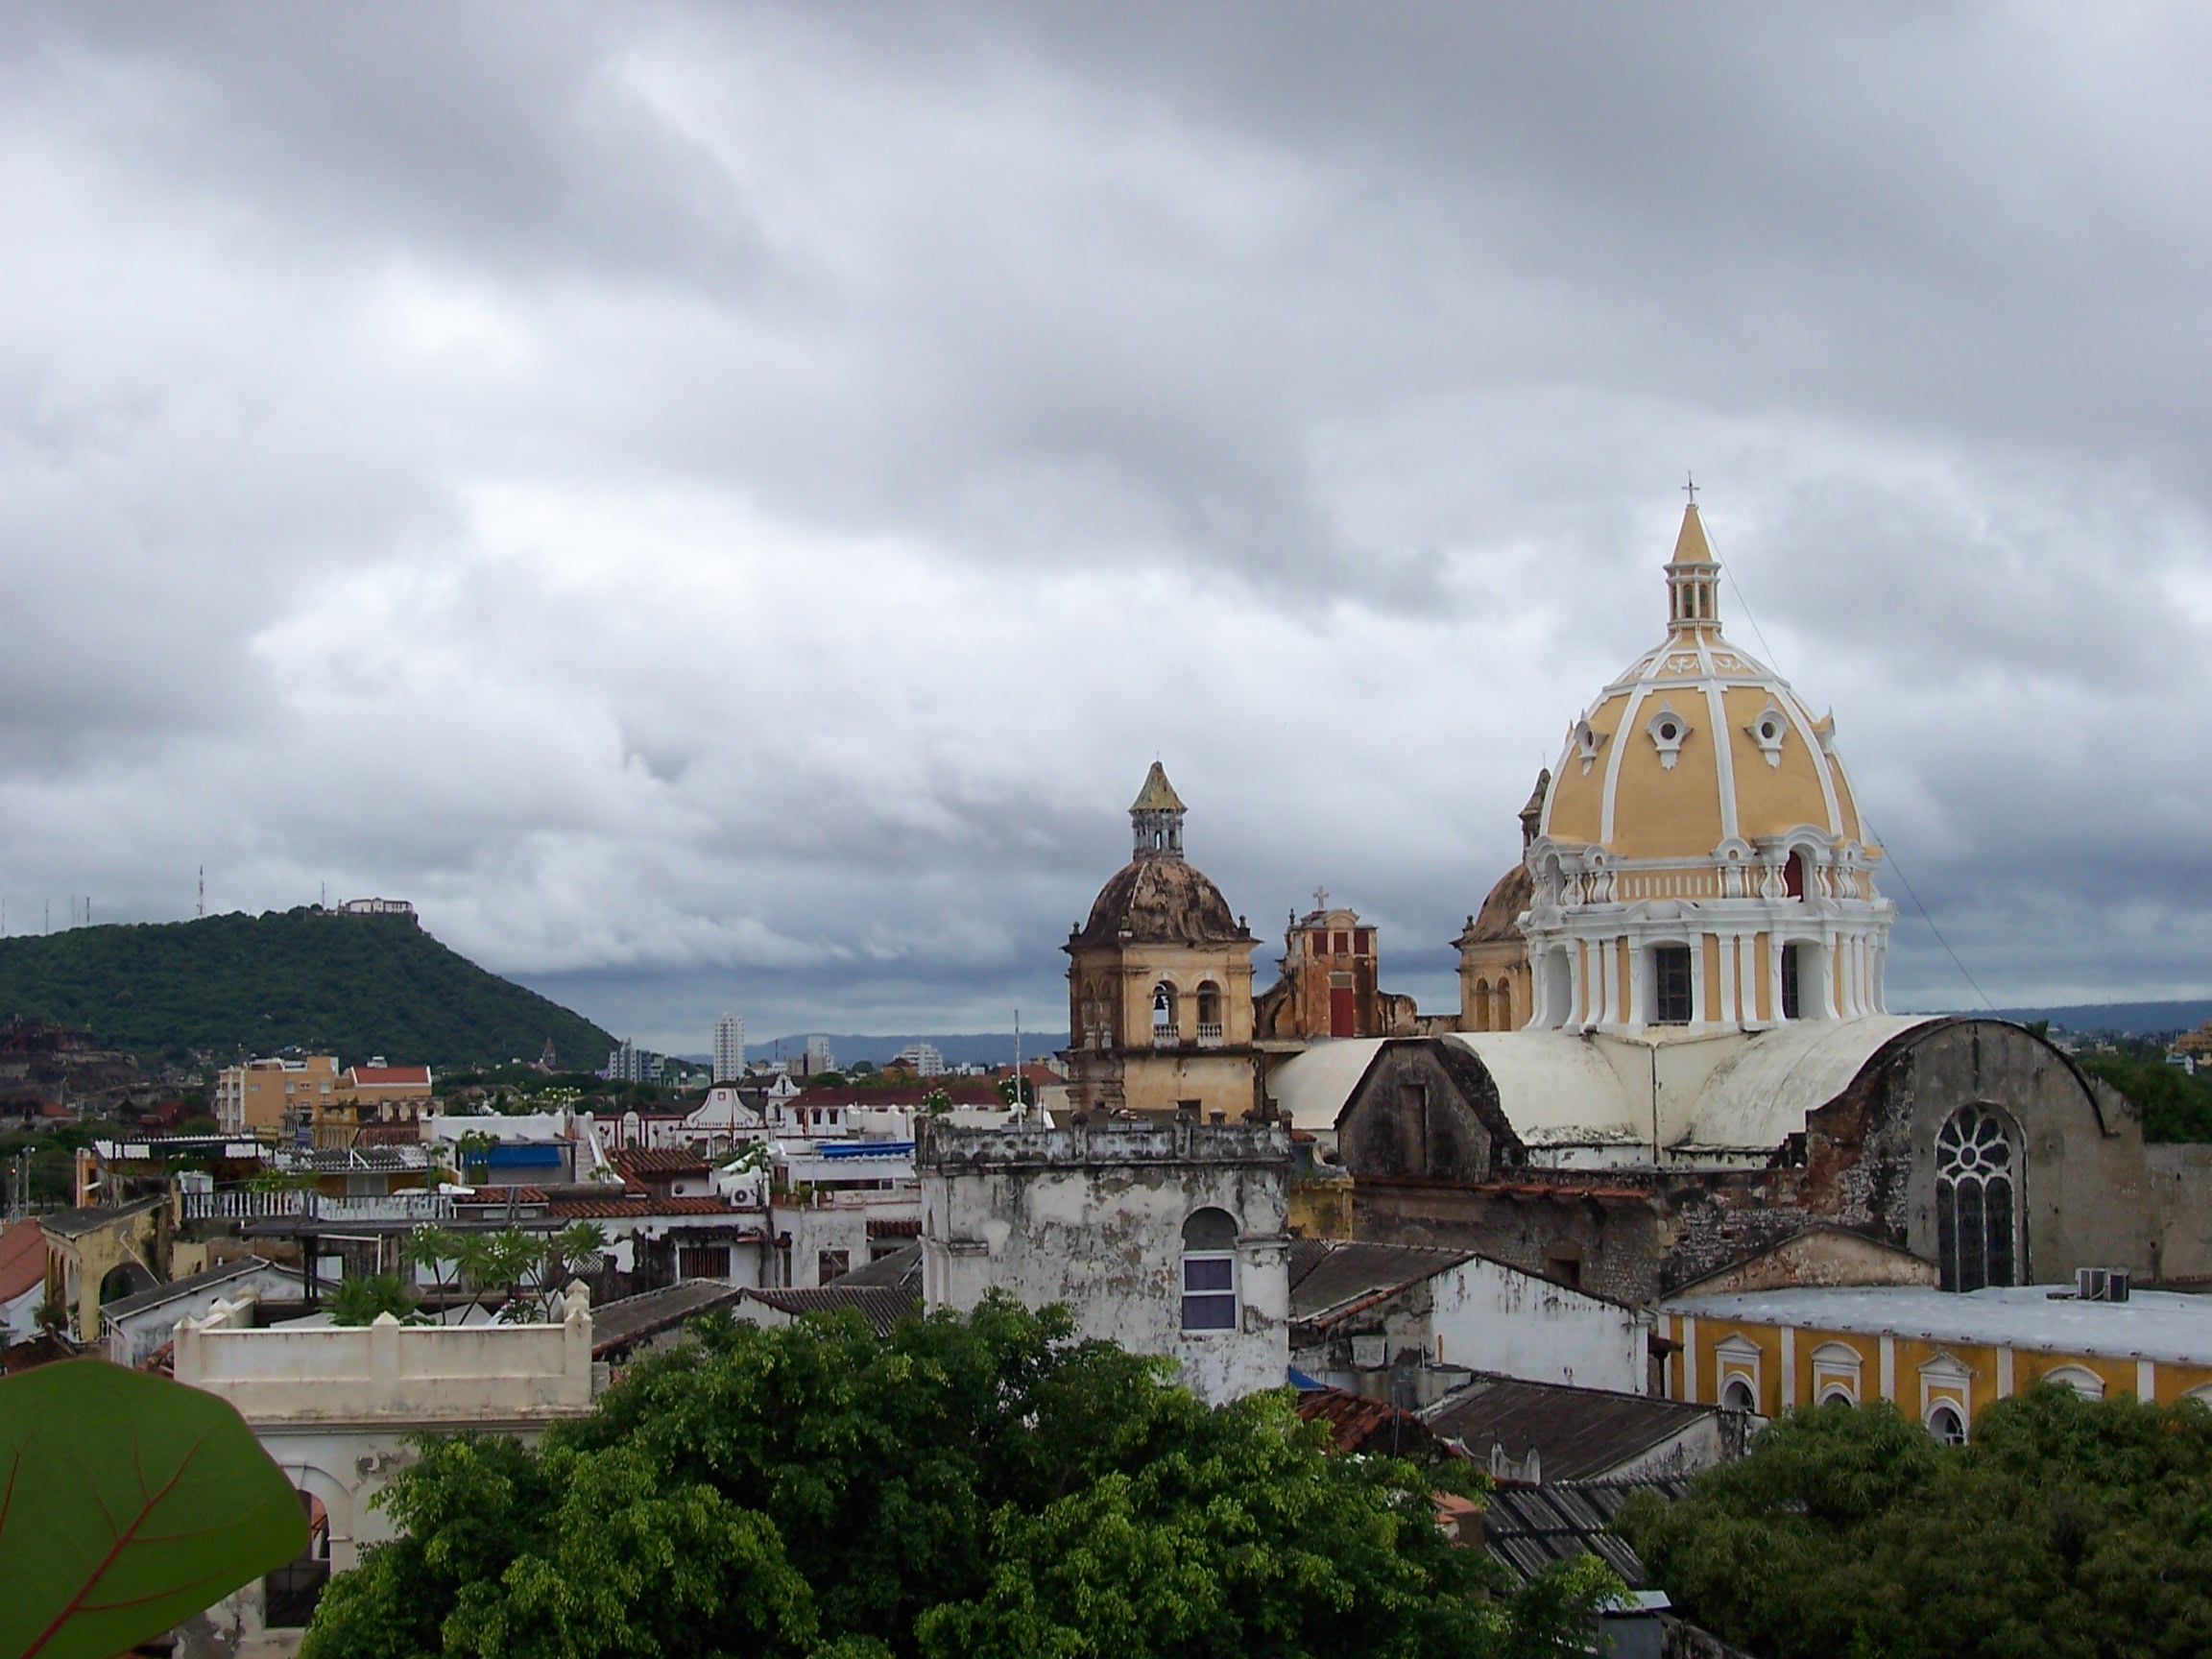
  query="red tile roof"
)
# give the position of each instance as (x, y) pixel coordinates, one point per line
(22, 1259)
(647, 1160)
(1358, 1424)
(498, 1196)
(624, 1209)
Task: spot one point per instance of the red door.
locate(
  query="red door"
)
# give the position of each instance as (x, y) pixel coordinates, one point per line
(1339, 1011)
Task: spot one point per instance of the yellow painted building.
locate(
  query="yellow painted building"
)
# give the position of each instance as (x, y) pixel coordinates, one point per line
(1939, 1356)
(253, 1098)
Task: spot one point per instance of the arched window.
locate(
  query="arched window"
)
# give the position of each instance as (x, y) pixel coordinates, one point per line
(1162, 1013)
(1737, 1396)
(1209, 1011)
(1946, 1425)
(1836, 1394)
(1481, 1007)
(1793, 876)
(1210, 1271)
(1975, 1224)
(1558, 987)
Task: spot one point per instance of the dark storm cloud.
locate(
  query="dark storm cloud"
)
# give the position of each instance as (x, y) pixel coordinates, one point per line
(721, 503)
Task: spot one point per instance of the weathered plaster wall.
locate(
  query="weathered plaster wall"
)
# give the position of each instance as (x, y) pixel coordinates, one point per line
(2178, 1179)
(1092, 1217)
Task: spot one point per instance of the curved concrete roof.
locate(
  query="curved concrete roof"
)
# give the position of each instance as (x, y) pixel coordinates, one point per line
(1761, 1096)
(1716, 1092)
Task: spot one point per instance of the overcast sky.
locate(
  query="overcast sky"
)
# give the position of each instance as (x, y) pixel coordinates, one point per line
(720, 505)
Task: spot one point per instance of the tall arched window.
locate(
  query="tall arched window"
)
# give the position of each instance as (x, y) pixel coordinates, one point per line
(1975, 1213)
(1209, 1011)
(1162, 1013)
(1210, 1271)
(1482, 1008)
(1793, 876)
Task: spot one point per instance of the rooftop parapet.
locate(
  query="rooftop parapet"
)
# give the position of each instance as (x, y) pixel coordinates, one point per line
(945, 1150)
(387, 1371)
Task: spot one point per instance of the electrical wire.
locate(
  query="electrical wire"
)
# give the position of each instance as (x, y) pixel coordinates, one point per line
(1888, 854)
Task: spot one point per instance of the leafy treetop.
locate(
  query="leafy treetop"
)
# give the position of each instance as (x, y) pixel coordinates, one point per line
(2065, 1528)
(976, 1486)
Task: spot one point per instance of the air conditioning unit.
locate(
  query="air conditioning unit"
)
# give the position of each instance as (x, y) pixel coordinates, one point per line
(2100, 1284)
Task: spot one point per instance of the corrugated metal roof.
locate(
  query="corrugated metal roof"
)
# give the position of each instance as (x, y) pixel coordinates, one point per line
(615, 1324)
(883, 1306)
(1526, 1528)
(1579, 1434)
(1332, 1279)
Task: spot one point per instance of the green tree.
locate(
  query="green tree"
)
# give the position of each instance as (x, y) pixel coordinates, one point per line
(2067, 1526)
(360, 1299)
(982, 1484)
(437, 1248)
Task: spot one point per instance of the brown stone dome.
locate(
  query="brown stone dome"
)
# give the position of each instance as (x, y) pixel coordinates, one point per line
(1157, 901)
(1500, 917)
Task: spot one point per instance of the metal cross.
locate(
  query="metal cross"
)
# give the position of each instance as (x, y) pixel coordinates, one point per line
(1690, 488)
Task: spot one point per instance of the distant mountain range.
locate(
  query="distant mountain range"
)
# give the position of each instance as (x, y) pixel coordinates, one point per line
(353, 986)
(2142, 1018)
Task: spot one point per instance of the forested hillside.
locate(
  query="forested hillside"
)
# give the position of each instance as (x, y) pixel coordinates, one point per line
(348, 985)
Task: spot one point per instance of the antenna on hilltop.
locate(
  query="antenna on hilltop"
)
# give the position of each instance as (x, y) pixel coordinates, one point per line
(203, 893)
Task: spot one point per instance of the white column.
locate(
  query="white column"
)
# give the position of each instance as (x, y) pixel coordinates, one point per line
(2147, 1382)
(1690, 1358)
(2005, 1373)
(1788, 1395)
(1890, 1368)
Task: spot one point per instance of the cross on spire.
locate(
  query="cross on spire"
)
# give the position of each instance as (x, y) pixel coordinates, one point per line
(1690, 488)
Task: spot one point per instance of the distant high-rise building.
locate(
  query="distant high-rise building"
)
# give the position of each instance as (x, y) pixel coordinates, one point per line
(818, 1059)
(728, 1048)
(925, 1057)
(629, 1063)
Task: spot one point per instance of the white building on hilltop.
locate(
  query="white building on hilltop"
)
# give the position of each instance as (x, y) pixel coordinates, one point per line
(728, 1048)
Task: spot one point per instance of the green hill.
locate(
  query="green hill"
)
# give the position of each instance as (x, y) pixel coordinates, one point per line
(348, 985)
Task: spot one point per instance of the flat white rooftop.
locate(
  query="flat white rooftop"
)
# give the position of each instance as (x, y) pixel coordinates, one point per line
(2157, 1324)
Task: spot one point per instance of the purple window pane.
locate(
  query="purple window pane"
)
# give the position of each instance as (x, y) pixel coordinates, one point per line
(1209, 1312)
(1204, 1275)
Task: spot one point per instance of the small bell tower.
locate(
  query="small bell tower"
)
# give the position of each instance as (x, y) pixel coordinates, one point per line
(1156, 816)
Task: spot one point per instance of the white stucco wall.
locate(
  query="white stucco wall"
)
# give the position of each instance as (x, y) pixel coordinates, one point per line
(334, 1406)
(1092, 1217)
(1492, 1317)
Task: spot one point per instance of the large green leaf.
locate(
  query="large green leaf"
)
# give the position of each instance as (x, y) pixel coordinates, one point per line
(128, 1503)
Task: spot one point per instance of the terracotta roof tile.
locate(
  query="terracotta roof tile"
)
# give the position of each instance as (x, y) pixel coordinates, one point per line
(22, 1259)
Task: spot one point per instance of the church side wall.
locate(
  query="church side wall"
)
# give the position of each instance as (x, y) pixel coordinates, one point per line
(2177, 1179)
(2086, 1195)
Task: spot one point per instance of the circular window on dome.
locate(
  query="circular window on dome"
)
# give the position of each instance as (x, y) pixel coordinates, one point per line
(1666, 730)
(1768, 729)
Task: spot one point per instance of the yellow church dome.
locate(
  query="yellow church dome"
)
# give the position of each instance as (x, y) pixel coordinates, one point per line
(1697, 748)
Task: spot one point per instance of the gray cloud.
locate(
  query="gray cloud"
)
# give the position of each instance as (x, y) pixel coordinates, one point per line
(721, 504)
